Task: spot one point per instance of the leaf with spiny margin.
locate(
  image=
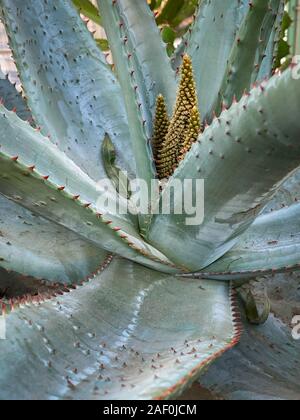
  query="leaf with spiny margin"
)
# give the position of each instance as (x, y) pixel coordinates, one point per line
(72, 93)
(265, 364)
(271, 244)
(39, 177)
(118, 178)
(33, 246)
(89, 10)
(270, 36)
(241, 156)
(15, 286)
(241, 62)
(287, 193)
(12, 99)
(210, 53)
(281, 256)
(144, 72)
(155, 332)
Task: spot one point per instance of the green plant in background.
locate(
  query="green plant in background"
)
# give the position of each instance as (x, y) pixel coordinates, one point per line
(102, 303)
(87, 8)
(174, 17)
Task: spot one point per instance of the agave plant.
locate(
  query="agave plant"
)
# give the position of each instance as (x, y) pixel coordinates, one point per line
(110, 304)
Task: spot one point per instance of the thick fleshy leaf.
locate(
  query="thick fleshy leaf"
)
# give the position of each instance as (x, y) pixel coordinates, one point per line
(144, 72)
(15, 287)
(39, 177)
(281, 251)
(265, 365)
(36, 247)
(12, 99)
(272, 241)
(241, 62)
(287, 194)
(271, 244)
(19, 141)
(210, 53)
(131, 333)
(241, 156)
(150, 62)
(71, 90)
(270, 36)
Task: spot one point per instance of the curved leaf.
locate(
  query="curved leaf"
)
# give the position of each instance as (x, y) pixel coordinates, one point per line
(18, 140)
(39, 177)
(14, 287)
(270, 36)
(271, 244)
(272, 238)
(144, 72)
(287, 194)
(265, 365)
(71, 90)
(12, 99)
(219, 19)
(129, 333)
(131, 29)
(241, 156)
(36, 247)
(241, 61)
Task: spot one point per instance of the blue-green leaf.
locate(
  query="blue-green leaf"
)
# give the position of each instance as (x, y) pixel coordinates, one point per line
(39, 177)
(241, 61)
(209, 44)
(241, 156)
(271, 244)
(270, 37)
(12, 99)
(144, 72)
(35, 247)
(265, 365)
(130, 333)
(72, 93)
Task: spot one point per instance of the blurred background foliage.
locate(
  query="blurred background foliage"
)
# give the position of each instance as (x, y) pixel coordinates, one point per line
(174, 18)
